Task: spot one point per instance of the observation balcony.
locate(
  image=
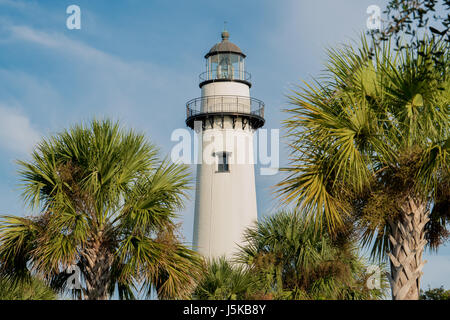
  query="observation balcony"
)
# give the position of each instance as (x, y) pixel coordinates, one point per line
(207, 108)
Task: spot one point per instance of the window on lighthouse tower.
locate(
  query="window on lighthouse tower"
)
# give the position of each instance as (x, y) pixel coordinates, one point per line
(223, 162)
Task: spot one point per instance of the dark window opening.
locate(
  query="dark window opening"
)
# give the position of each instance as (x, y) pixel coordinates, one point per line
(223, 162)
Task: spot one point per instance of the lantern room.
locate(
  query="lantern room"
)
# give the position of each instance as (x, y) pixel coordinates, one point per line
(225, 62)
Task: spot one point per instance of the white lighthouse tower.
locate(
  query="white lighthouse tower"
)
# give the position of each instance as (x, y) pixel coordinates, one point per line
(225, 118)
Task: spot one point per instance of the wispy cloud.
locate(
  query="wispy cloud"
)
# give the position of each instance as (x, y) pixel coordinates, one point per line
(16, 131)
(15, 4)
(61, 42)
(104, 83)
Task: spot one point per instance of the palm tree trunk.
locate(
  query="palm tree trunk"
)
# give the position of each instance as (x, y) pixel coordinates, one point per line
(407, 244)
(97, 266)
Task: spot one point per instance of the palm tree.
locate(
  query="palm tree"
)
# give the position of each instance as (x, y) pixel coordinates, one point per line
(370, 144)
(296, 262)
(107, 203)
(224, 280)
(35, 289)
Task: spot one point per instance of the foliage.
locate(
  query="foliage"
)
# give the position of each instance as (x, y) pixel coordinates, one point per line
(226, 281)
(107, 206)
(408, 21)
(35, 289)
(371, 131)
(435, 294)
(409, 16)
(296, 262)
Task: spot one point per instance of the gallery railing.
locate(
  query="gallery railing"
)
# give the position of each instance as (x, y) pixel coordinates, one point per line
(225, 104)
(209, 107)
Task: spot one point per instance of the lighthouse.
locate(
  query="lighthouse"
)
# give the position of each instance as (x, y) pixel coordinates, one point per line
(225, 119)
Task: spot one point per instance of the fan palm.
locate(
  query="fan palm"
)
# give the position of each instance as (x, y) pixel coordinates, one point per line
(370, 144)
(35, 289)
(107, 205)
(224, 280)
(296, 262)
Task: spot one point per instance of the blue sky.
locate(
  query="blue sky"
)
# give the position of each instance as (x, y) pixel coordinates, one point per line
(138, 62)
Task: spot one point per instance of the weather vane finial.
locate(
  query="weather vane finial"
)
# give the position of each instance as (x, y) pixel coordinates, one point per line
(225, 34)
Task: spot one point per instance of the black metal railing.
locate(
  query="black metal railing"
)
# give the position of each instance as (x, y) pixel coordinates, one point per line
(225, 75)
(225, 104)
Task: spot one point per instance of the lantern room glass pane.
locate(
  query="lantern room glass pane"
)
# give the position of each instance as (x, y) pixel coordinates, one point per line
(224, 70)
(225, 66)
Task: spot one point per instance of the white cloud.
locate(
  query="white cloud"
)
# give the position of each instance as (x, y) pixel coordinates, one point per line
(61, 42)
(104, 68)
(82, 53)
(16, 131)
(105, 83)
